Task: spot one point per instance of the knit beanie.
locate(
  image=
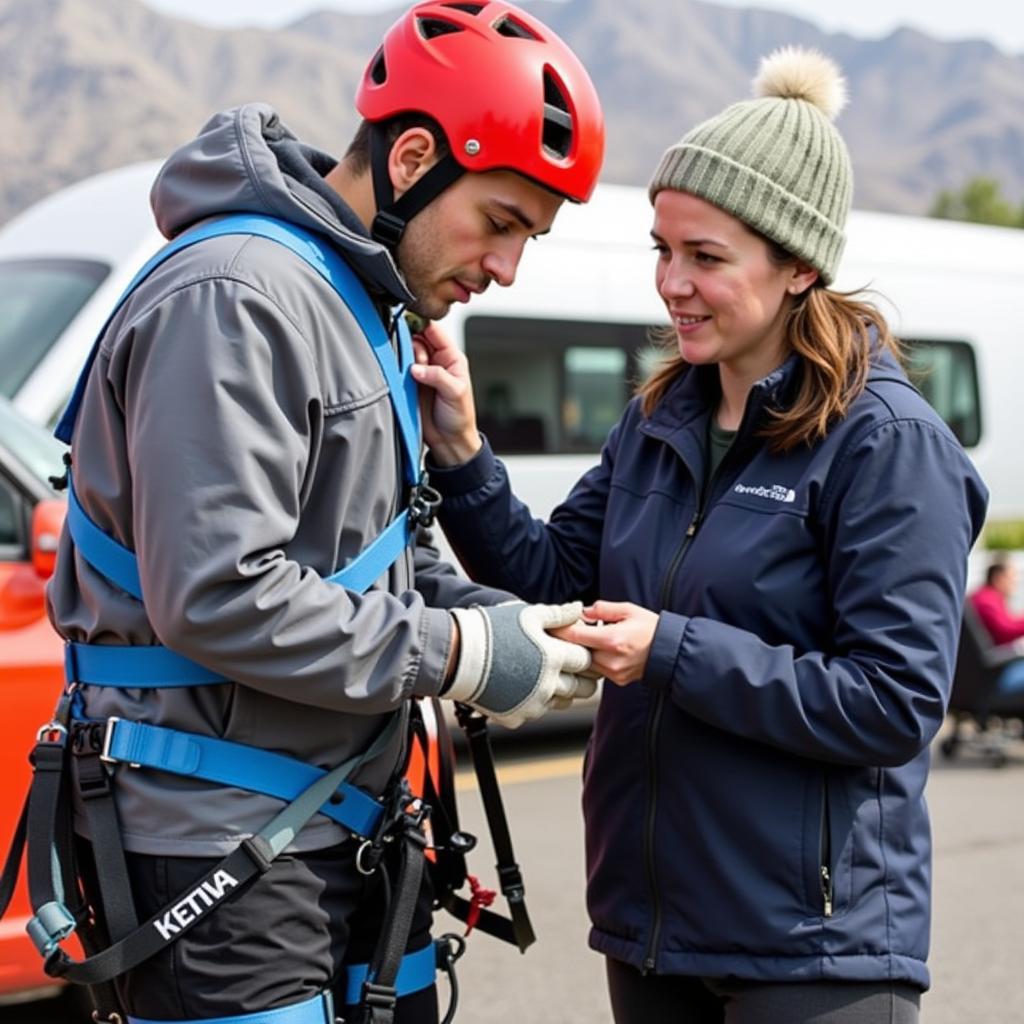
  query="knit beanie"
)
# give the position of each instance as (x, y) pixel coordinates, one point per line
(775, 162)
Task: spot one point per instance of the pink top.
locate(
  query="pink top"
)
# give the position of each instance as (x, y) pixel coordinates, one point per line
(1003, 626)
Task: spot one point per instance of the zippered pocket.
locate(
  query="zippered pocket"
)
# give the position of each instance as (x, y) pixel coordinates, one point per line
(826, 874)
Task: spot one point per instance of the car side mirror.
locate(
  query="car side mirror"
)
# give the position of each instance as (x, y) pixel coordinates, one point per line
(47, 522)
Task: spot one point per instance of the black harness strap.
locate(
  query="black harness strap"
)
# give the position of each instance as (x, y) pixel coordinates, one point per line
(518, 931)
(92, 778)
(379, 995)
(54, 922)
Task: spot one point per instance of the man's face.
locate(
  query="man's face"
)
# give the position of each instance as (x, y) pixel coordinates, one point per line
(472, 234)
(1006, 581)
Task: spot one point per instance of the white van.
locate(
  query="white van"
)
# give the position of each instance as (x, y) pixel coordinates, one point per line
(554, 358)
(64, 262)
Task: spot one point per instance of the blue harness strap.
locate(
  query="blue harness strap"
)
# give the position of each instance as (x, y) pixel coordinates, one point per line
(118, 563)
(133, 667)
(416, 972)
(238, 765)
(325, 261)
(100, 550)
(318, 1010)
(154, 666)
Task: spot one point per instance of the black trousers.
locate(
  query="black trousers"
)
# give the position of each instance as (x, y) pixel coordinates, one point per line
(282, 940)
(678, 999)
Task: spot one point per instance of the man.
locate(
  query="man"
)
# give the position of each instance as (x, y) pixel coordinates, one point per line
(235, 436)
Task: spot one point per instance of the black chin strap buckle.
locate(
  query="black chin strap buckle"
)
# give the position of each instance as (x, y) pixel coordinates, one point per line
(387, 228)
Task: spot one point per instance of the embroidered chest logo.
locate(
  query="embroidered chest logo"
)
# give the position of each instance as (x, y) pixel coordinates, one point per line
(776, 492)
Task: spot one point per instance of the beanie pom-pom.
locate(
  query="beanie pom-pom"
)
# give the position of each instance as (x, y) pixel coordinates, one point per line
(797, 74)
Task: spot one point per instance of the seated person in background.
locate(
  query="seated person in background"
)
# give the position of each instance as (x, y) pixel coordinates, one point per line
(991, 603)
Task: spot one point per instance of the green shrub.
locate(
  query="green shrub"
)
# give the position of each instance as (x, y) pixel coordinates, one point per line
(1004, 535)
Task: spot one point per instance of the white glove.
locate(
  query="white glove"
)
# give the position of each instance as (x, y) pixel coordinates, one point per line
(586, 686)
(510, 668)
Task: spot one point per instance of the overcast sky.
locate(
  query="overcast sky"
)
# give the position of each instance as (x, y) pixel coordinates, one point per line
(999, 21)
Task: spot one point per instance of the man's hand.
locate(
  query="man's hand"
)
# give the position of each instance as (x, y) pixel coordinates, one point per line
(446, 398)
(511, 668)
(619, 639)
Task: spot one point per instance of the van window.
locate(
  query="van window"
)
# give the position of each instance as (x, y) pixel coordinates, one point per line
(551, 386)
(947, 375)
(38, 299)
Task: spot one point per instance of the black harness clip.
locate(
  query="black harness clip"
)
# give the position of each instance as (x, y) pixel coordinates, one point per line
(424, 501)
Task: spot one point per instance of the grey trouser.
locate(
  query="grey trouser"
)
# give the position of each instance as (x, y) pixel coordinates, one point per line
(678, 999)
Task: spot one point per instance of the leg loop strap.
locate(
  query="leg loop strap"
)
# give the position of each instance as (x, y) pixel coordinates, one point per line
(318, 1010)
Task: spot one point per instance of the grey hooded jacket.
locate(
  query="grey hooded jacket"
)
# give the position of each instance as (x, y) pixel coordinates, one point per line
(237, 434)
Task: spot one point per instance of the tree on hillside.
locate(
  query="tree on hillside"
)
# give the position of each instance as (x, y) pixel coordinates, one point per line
(981, 201)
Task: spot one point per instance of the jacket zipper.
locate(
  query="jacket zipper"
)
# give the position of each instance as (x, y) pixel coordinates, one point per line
(825, 852)
(650, 959)
(704, 493)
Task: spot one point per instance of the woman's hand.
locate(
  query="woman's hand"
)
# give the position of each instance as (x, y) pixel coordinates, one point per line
(446, 398)
(619, 641)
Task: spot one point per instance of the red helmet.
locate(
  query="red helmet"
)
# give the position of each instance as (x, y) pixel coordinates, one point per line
(507, 91)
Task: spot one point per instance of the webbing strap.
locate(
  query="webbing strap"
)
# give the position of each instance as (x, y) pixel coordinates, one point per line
(133, 667)
(322, 257)
(373, 561)
(509, 876)
(318, 1010)
(156, 667)
(239, 765)
(416, 972)
(252, 857)
(100, 550)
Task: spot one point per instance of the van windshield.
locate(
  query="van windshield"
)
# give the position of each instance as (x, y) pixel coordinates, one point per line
(38, 299)
(36, 449)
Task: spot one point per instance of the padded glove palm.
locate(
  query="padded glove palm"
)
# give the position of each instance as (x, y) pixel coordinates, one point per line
(510, 668)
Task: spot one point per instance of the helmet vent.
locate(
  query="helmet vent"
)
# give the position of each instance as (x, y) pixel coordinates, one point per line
(378, 69)
(431, 28)
(558, 121)
(468, 8)
(509, 26)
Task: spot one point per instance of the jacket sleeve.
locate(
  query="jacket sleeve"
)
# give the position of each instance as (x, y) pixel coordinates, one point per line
(502, 545)
(899, 516)
(440, 584)
(219, 427)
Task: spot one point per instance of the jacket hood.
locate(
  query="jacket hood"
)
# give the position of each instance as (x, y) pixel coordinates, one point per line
(244, 160)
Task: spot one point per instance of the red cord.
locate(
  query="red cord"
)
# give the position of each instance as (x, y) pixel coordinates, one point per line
(480, 898)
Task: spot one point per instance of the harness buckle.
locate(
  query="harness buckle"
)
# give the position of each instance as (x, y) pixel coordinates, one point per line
(108, 738)
(52, 732)
(368, 857)
(424, 501)
(511, 880)
(113, 1018)
(382, 997)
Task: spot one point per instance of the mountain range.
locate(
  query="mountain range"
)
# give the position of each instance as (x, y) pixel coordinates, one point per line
(87, 85)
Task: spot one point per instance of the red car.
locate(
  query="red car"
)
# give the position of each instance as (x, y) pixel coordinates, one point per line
(31, 653)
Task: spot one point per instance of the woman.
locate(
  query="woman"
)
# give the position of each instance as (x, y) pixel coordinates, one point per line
(774, 545)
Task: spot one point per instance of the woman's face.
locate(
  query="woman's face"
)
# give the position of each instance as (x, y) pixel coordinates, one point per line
(727, 300)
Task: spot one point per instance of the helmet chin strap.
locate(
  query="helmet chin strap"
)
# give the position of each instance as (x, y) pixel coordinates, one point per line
(393, 215)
